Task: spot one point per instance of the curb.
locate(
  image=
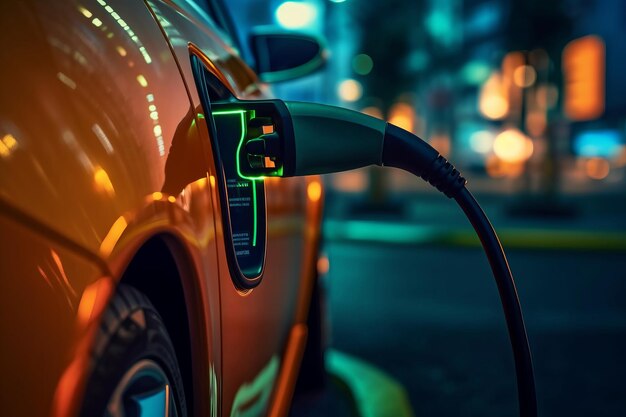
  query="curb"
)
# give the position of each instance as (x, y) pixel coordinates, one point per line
(413, 234)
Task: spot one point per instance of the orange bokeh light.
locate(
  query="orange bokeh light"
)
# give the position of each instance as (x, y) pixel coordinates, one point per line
(323, 265)
(350, 90)
(513, 146)
(402, 115)
(583, 68)
(597, 168)
(493, 102)
(314, 191)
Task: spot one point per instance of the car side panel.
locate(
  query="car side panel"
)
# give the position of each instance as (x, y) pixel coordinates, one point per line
(100, 151)
(38, 311)
(79, 111)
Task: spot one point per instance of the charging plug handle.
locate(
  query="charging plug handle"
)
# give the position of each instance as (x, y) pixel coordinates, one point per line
(331, 139)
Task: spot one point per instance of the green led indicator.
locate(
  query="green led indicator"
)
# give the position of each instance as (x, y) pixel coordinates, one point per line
(242, 115)
(254, 210)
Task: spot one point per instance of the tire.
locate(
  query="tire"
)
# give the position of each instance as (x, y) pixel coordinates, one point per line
(134, 366)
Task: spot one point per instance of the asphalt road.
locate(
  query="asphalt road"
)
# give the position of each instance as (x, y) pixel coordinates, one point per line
(430, 317)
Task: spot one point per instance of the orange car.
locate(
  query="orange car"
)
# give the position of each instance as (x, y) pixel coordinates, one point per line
(140, 274)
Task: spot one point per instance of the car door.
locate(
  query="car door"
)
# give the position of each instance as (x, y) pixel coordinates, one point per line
(256, 324)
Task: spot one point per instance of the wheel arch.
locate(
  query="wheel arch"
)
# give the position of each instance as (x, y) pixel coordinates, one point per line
(162, 269)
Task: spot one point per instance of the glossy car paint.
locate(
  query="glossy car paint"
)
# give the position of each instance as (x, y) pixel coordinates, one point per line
(103, 150)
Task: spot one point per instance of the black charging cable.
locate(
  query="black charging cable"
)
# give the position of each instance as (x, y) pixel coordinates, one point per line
(402, 149)
(309, 138)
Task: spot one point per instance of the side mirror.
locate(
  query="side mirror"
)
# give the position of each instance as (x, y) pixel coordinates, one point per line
(282, 55)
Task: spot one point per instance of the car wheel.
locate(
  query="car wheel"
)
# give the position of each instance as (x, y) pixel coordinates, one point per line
(135, 372)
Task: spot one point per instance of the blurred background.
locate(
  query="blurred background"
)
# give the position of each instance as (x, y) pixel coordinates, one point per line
(528, 99)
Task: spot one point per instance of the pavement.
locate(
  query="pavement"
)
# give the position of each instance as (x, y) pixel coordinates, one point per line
(410, 294)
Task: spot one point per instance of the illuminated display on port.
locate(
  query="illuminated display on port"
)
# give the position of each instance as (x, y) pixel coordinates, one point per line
(245, 194)
(242, 118)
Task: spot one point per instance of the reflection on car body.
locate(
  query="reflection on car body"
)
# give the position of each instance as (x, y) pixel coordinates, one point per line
(109, 200)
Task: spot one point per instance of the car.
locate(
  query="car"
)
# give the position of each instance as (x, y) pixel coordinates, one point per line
(140, 273)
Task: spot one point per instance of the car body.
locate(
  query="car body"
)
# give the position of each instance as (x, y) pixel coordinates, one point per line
(108, 176)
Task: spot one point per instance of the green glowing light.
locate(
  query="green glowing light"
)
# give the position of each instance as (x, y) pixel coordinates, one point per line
(362, 64)
(219, 113)
(242, 114)
(243, 136)
(254, 209)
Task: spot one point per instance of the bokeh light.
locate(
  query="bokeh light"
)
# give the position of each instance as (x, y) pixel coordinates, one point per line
(524, 76)
(604, 143)
(350, 90)
(402, 115)
(314, 190)
(584, 73)
(513, 146)
(362, 64)
(493, 103)
(475, 72)
(597, 168)
(296, 15)
(323, 265)
(482, 141)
